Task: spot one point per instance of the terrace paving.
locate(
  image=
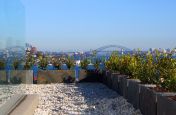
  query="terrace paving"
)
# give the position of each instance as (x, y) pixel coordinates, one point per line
(76, 99)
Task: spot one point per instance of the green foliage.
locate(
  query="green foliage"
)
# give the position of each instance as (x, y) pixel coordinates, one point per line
(97, 63)
(69, 62)
(84, 64)
(56, 63)
(43, 63)
(113, 63)
(158, 68)
(167, 71)
(148, 73)
(124, 64)
(29, 62)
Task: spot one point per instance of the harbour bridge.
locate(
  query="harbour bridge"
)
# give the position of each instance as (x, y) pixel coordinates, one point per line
(116, 48)
(110, 49)
(107, 48)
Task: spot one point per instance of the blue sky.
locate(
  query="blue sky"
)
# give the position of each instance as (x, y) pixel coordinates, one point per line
(89, 24)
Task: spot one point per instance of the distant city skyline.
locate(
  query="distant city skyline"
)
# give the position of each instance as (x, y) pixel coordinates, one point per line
(81, 25)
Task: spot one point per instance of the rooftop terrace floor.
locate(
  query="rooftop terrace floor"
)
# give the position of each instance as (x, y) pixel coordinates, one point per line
(75, 99)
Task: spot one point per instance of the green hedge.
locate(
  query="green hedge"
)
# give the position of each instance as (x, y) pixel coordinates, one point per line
(158, 68)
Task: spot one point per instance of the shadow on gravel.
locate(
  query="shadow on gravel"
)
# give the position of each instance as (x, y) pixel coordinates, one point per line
(91, 77)
(101, 100)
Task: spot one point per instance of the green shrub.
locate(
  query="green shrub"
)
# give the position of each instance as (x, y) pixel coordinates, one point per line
(113, 63)
(158, 68)
(84, 64)
(167, 70)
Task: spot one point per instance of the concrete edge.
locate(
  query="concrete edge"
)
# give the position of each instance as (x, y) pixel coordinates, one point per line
(11, 104)
(27, 106)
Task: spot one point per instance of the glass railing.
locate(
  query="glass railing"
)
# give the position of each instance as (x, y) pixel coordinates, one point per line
(12, 46)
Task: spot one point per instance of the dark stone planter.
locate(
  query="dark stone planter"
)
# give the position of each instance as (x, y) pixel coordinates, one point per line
(148, 99)
(115, 81)
(104, 77)
(109, 79)
(123, 85)
(133, 92)
(165, 105)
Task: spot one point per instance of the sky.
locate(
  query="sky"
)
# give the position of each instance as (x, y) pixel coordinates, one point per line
(66, 25)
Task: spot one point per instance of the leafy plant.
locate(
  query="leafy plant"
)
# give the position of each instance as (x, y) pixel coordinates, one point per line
(97, 63)
(29, 62)
(157, 68)
(167, 71)
(69, 62)
(84, 64)
(43, 63)
(113, 63)
(149, 74)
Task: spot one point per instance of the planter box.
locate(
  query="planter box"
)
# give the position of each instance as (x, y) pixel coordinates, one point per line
(103, 77)
(123, 86)
(26, 76)
(115, 82)
(105, 74)
(109, 79)
(148, 99)
(165, 105)
(23, 76)
(100, 77)
(57, 76)
(133, 92)
(2, 76)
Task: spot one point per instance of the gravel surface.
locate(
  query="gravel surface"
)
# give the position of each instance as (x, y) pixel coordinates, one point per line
(79, 99)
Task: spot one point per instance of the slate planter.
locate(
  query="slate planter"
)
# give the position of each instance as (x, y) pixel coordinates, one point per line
(115, 81)
(100, 77)
(109, 79)
(166, 105)
(148, 99)
(123, 86)
(105, 77)
(133, 92)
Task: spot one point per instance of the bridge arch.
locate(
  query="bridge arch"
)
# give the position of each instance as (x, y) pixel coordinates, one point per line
(112, 46)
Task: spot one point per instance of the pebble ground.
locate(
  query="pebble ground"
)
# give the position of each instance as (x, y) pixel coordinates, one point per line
(74, 99)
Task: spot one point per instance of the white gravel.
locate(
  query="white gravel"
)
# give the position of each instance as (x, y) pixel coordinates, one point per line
(71, 99)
